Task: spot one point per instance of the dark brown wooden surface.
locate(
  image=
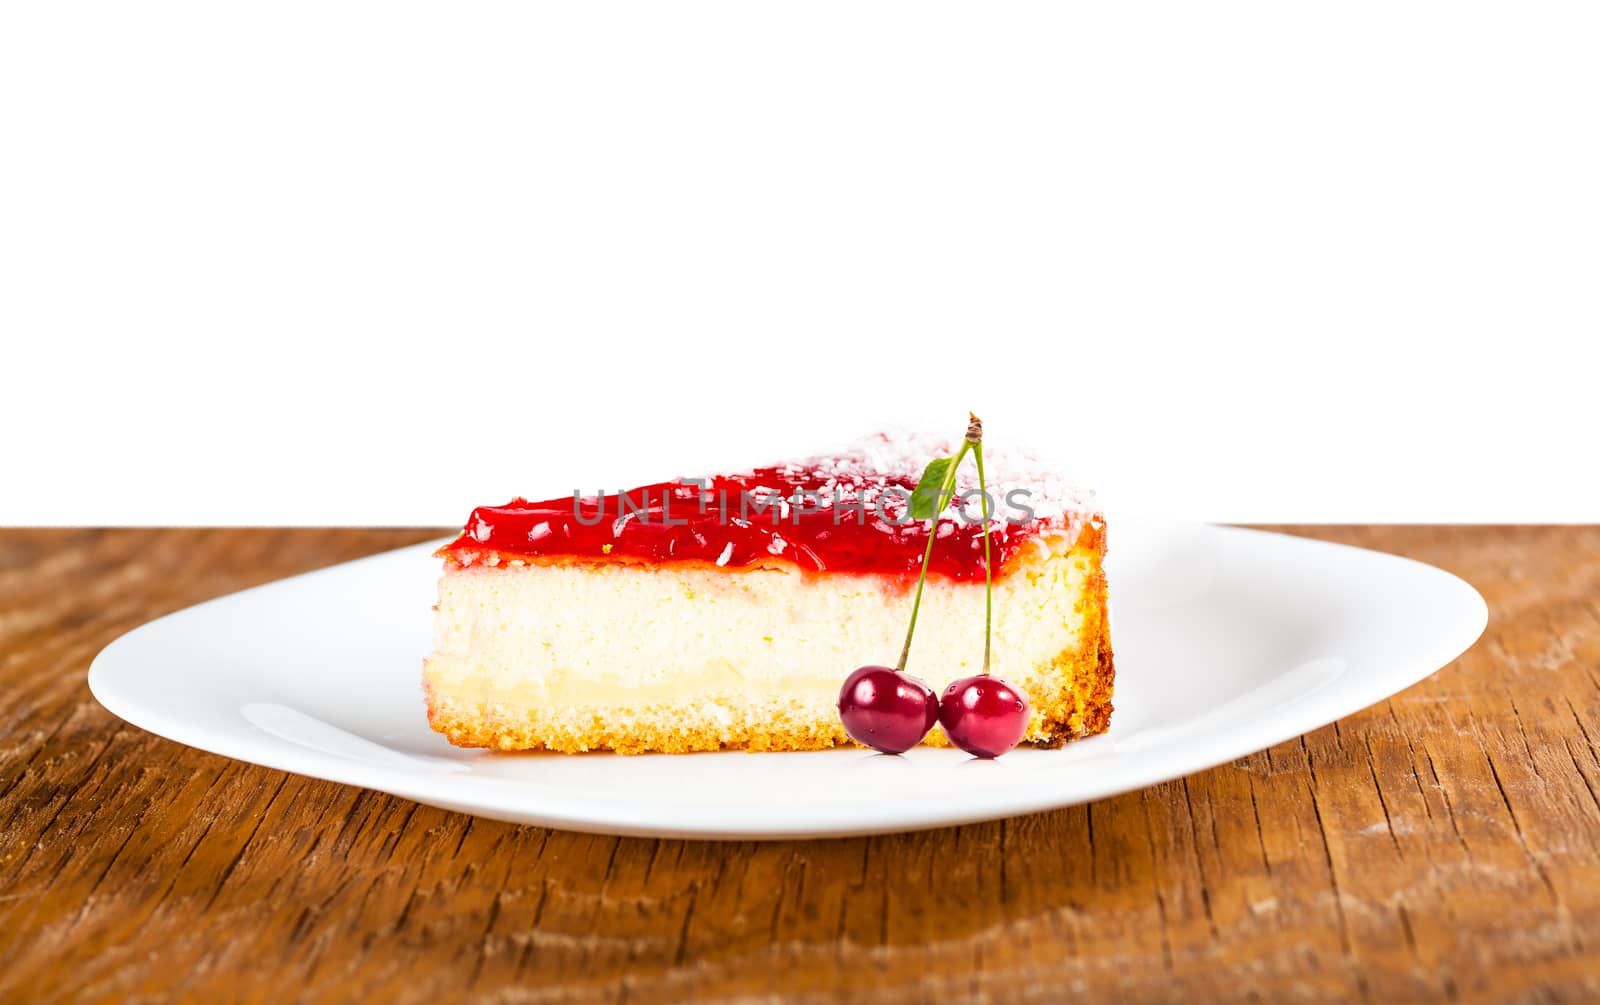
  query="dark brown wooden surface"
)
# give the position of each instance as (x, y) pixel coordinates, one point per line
(1443, 845)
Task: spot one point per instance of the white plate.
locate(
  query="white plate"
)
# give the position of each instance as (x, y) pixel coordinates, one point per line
(1227, 641)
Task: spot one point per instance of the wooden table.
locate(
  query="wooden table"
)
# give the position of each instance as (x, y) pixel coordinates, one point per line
(1442, 845)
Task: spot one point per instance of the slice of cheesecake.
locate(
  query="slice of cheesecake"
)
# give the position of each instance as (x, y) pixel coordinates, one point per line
(725, 613)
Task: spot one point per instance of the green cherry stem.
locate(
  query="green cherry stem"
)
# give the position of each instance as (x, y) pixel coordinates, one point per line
(927, 553)
(988, 565)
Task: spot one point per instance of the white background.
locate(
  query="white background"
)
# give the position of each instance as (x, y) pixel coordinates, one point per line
(378, 263)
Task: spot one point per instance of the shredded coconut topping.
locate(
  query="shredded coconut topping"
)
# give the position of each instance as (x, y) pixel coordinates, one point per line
(880, 465)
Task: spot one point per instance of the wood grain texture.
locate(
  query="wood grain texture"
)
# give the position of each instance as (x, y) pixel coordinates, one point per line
(1443, 845)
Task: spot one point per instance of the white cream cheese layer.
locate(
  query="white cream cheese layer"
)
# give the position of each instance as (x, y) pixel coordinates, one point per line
(620, 634)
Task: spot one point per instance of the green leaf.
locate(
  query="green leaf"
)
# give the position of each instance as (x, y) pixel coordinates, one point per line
(934, 489)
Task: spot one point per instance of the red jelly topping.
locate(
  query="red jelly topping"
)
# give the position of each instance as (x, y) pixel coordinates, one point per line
(817, 520)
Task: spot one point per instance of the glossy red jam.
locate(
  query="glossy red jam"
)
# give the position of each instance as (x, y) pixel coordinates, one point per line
(740, 521)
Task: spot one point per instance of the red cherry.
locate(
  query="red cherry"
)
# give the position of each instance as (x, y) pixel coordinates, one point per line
(983, 715)
(886, 709)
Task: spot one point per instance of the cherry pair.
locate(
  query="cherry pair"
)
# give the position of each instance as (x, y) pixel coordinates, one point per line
(886, 708)
(891, 711)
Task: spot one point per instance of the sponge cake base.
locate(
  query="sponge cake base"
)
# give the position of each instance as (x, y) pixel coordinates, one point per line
(574, 656)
